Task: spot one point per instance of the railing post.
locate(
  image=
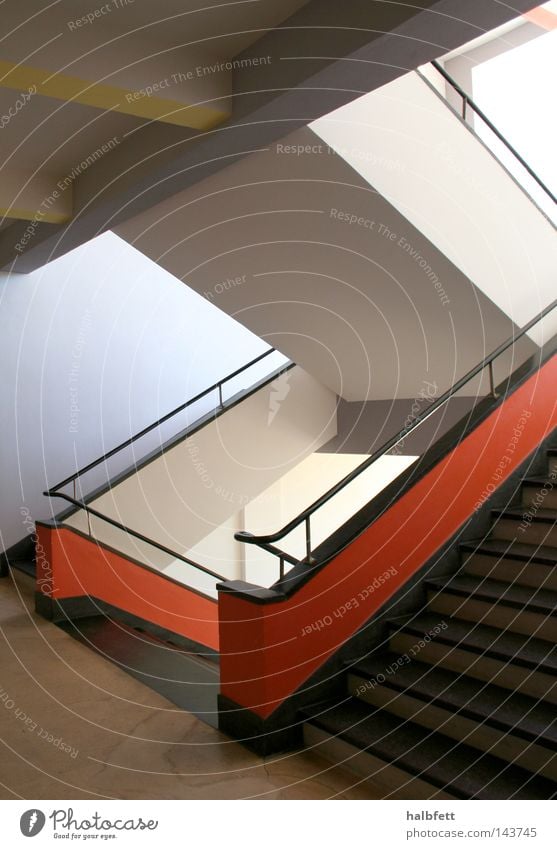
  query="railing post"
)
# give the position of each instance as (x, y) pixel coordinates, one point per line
(220, 396)
(309, 558)
(89, 523)
(464, 107)
(281, 567)
(492, 391)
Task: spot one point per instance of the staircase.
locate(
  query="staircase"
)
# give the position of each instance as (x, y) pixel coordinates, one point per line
(464, 704)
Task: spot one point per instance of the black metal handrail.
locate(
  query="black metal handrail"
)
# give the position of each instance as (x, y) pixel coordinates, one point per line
(216, 386)
(467, 101)
(92, 512)
(266, 540)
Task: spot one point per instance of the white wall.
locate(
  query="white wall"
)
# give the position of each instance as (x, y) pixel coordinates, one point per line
(513, 89)
(300, 488)
(368, 316)
(274, 507)
(455, 192)
(184, 495)
(107, 331)
(219, 552)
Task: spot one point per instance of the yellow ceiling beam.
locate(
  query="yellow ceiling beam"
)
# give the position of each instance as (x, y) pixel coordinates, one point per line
(35, 197)
(48, 217)
(139, 103)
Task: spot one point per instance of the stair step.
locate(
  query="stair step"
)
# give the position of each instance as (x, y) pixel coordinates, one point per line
(552, 461)
(538, 527)
(538, 600)
(538, 480)
(524, 610)
(542, 515)
(525, 716)
(511, 562)
(526, 651)
(513, 727)
(453, 768)
(512, 661)
(540, 489)
(543, 554)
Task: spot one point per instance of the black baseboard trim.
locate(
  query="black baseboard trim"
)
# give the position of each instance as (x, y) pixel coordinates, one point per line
(64, 610)
(262, 736)
(24, 549)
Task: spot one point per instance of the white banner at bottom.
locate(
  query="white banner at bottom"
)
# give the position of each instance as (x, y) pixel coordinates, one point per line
(182, 823)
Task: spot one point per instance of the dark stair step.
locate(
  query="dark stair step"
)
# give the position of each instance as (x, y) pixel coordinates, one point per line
(484, 589)
(541, 515)
(518, 563)
(538, 492)
(537, 480)
(454, 767)
(543, 554)
(528, 652)
(513, 713)
(526, 524)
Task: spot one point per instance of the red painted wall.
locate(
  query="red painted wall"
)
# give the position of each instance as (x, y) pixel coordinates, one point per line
(268, 651)
(542, 18)
(70, 565)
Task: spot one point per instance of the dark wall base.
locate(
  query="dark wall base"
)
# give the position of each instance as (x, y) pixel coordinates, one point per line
(64, 610)
(262, 736)
(61, 610)
(22, 550)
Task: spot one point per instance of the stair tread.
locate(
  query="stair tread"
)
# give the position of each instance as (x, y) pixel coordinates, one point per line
(496, 706)
(541, 600)
(546, 554)
(505, 645)
(459, 768)
(537, 480)
(542, 515)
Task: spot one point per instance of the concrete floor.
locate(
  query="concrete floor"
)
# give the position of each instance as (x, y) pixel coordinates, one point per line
(75, 726)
